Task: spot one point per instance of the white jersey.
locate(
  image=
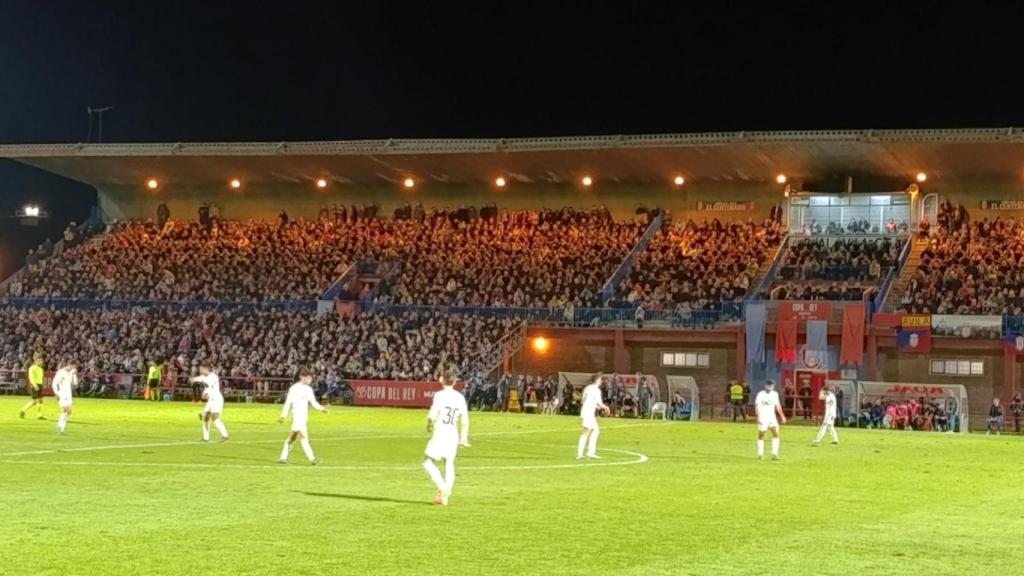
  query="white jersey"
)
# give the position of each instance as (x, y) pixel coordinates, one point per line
(212, 382)
(63, 382)
(446, 412)
(590, 401)
(830, 407)
(300, 398)
(766, 404)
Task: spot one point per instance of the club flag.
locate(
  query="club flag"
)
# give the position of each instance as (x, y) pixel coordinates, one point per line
(1014, 343)
(785, 342)
(916, 340)
(852, 349)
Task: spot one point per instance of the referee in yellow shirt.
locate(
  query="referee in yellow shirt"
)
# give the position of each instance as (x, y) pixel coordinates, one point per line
(35, 387)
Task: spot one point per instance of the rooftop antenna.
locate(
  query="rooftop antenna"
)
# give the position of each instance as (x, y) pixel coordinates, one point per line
(99, 113)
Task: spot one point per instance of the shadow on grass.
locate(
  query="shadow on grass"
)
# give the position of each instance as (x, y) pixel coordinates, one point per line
(363, 498)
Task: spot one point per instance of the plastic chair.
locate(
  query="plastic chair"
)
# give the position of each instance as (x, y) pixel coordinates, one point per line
(659, 408)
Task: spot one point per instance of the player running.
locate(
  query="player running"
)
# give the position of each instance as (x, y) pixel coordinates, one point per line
(446, 412)
(64, 381)
(590, 404)
(35, 388)
(828, 422)
(300, 398)
(214, 403)
(769, 414)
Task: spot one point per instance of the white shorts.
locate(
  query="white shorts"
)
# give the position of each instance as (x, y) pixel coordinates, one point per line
(64, 402)
(214, 404)
(590, 422)
(300, 427)
(763, 426)
(441, 449)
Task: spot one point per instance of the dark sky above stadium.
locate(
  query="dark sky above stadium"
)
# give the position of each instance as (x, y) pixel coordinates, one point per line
(188, 71)
(255, 70)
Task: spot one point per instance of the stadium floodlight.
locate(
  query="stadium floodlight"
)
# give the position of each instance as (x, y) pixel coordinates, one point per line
(500, 182)
(32, 211)
(321, 183)
(921, 177)
(235, 183)
(587, 181)
(152, 184)
(541, 344)
(679, 180)
(781, 178)
(409, 183)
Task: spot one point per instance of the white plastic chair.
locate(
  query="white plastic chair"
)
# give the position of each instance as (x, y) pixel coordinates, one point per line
(659, 408)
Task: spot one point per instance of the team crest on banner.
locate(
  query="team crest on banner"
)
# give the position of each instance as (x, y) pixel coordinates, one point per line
(917, 341)
(1014, 343)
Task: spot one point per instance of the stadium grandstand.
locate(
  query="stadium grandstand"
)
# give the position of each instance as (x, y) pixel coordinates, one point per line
(872, 255)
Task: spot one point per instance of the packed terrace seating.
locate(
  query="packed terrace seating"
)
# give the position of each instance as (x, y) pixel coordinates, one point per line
(699, 266)
(245, 342)
(970, 268)
(835, 268)
(456, 257)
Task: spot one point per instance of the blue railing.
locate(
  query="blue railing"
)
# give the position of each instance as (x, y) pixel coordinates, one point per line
(773, 270)
(581, 317)
(334, 290)
(612, 285)
(883, 292)
(89, 304)
(1013, 325)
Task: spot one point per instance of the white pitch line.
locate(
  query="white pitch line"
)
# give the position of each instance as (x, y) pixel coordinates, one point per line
(278, 440)
(639, 459)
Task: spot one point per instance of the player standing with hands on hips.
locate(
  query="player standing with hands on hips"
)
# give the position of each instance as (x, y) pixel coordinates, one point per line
(590, 404)
(828, 422)
(769, 414)
(300, 398)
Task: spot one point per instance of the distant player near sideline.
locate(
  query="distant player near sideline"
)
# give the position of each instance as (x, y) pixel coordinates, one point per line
(300, 398)
(769, 414)
(447, 412)
(591, 402)
(828, 422)
(214, 403)
(35, 387)
(64, 382)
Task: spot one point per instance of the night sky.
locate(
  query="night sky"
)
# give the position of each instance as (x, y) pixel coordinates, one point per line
(206, 71)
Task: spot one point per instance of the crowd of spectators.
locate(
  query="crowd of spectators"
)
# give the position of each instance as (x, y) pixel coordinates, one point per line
(699, 266)
(856, 226)
(247, 344)
(969, 268)
(462, 257)
(844, 269)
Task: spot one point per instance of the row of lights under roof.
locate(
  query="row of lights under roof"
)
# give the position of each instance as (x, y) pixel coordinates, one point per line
(586, 181)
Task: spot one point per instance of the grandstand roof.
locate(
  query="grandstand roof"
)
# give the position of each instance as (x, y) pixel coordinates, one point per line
(719, 156)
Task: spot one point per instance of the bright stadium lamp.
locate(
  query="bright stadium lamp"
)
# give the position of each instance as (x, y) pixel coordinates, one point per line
(587, 181)
(500, 182)
(679, 180)
(541, 344)
(921, 177)
(235, 183)
(409, 183)
(781, 178)
(152, 184)
(321, 183)
(32, 211)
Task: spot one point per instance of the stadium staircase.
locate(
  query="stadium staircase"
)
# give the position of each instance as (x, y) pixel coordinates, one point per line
(769, 270)
(503, 349)
(907, 269)
(612, 285)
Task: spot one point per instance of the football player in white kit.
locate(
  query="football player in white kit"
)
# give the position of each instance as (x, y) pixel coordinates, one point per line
(300, 398)
(589, 405)
(828, 422)
(769, 414)
(64, 381)
(447, 411)
(214, 403)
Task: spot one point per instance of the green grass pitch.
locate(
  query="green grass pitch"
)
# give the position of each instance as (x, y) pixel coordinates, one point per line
(130, 491)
